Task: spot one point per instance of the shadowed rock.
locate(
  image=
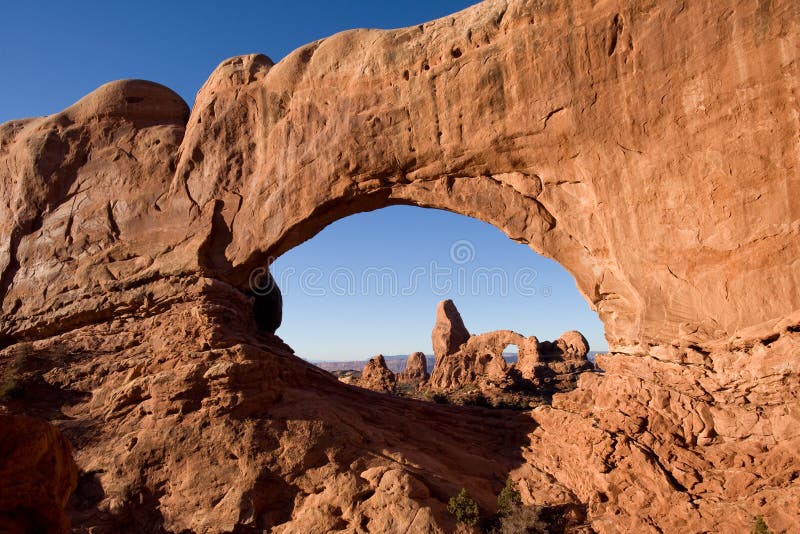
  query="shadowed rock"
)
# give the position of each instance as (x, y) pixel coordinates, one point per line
(37, 476)
(570, 346)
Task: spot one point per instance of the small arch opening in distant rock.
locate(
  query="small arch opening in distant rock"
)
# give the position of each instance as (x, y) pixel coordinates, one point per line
(511, 353)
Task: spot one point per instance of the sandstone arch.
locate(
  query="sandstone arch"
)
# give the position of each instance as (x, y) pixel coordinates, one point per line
(649, 148)
(272, 154)
(543, 154)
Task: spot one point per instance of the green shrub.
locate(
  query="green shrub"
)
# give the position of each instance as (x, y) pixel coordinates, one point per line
(760, 527)
(12, 384)
(476, 398)
(508, 499)
(464, 508)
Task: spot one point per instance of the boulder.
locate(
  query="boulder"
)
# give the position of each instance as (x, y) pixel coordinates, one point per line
(570, 346)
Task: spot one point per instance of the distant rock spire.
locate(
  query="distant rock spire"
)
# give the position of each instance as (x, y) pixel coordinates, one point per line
(377, 376)
(449, 332)
(416, 369)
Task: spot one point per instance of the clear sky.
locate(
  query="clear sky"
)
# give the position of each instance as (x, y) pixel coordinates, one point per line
(54, 52)
(369, 284)
(339, 300)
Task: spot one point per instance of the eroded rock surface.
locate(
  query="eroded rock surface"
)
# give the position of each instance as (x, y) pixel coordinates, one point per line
(570, 346)
(649, 148)
(377, 376)
(449, 332)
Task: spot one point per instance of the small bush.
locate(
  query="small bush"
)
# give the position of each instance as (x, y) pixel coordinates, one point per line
(12, 385)
(523, 519)
(10, 388)
(760, 526)
(440, 398)
(476, 398)
(509, 498)
(464, 508)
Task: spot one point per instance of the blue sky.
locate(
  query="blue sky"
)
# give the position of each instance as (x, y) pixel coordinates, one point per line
(369, 284)
(53, 53)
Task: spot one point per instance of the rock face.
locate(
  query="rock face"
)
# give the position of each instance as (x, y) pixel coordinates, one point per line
(449, 332)
(377, 377)
(649, 148)
(416, 370)
(37, 476)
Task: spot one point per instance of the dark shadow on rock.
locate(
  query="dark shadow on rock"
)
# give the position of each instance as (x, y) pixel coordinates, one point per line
(270, 503)
(141, 514)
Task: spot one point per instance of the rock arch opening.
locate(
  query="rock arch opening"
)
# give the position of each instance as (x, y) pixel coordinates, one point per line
(511, 350)
(369, 284)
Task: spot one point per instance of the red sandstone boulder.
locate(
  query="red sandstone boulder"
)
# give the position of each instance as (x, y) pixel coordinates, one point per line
(570, 346)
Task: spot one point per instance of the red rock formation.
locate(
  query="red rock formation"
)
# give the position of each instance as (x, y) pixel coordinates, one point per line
(377, 377)
(449, 332)
(481, 357)
(544, 368)
(649, 149)
(570, 346)
(37, 476)
(416, 370)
